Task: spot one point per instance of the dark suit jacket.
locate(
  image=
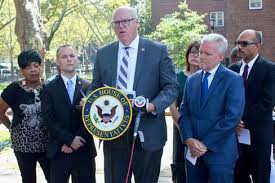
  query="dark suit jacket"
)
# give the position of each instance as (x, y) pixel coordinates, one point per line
(63, 119)
(214, 121)
(155, 79)
(259, 97)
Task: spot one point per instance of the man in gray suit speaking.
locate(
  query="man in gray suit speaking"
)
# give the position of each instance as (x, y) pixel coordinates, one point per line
(136, 64)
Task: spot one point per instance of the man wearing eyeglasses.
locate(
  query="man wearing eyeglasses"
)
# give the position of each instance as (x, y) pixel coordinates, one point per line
(136, 64)
(259, 81)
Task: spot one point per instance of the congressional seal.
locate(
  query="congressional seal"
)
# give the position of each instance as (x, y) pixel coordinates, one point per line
(107, 113)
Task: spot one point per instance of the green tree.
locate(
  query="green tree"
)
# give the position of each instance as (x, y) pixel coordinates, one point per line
(79, 23)
(4, 20)
(8, 43)
(50, 23)
(145, 15)
(178, 30)
(98, 16)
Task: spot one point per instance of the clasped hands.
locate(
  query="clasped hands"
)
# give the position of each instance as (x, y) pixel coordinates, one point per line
(75, 145)
(196, 147)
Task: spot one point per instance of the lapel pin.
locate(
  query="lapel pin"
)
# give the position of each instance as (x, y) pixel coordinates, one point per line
(142, 49)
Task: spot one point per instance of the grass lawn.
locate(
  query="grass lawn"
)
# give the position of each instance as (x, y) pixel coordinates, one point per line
(4, 135)
(4, 139)
(2, 86)
(7, 158)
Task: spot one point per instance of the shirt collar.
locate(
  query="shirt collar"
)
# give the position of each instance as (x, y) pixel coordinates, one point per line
(251, 62)
(214, 70)
(65, 79)
(134, 44)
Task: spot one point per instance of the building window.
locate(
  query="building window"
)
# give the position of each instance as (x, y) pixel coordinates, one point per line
(255, 4)
(217, 18)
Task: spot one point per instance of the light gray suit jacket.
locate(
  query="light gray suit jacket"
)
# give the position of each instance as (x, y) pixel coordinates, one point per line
(155, 79)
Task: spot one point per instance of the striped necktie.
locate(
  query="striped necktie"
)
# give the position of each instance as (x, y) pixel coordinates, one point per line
(123, 74)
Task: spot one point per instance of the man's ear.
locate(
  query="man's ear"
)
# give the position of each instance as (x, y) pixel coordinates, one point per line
(258, 45)
(221, 57)
(137, 22)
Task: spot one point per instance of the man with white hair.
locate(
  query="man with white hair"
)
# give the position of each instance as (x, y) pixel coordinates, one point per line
(211, 108)
(136, 64)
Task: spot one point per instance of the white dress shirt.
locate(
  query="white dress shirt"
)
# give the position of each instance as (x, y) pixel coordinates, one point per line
(250, 65)
(133, 51)
(211, 76)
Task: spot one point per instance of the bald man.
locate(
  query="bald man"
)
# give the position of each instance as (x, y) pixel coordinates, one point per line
(259, 81)
(149, 72)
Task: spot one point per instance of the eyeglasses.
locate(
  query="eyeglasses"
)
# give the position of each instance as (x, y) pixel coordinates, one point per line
(244, 43)
(123, 23)
(194, 52)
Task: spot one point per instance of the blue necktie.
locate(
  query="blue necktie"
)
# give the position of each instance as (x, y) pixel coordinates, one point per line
(123, 74)
(70, 89)
(204, 87)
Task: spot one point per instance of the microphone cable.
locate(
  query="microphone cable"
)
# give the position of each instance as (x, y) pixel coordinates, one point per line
(137, 121)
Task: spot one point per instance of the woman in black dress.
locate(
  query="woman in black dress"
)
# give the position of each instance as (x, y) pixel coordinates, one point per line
(28, 134)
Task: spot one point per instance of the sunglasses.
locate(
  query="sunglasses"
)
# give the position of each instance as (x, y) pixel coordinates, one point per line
(245, 43)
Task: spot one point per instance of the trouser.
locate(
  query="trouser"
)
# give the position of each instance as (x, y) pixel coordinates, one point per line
(178, 165)
(255, 161)
(204, 172)
(27, 165)
(145, 164)
(80, 164)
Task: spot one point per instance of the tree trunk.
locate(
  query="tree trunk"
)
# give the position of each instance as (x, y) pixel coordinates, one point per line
(29, 28)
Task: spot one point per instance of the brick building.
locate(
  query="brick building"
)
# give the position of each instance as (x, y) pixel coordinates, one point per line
(230, 18)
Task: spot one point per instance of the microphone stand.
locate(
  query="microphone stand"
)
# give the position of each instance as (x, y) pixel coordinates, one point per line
(137, 121)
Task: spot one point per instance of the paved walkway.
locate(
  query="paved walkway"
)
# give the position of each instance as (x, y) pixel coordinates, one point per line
(9, 172)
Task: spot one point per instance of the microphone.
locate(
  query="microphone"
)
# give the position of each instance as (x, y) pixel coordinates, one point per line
(139, 105)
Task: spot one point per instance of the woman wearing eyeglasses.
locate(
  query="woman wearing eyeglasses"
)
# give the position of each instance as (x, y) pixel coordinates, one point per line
(29, 136)
(192, 65)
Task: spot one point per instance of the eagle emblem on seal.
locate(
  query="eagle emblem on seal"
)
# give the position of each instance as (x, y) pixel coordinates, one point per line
(106, 116)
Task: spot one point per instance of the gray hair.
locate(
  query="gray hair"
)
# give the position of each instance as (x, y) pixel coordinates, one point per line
(132, 11)
(220, 40)
(258, 37)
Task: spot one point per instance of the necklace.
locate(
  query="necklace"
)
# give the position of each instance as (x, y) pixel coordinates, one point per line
(36, 91)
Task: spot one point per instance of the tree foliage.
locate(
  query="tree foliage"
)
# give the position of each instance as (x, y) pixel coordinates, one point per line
(5, 19)
(8, 42)
(178, 30)
(145, 15)
(85, 24)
